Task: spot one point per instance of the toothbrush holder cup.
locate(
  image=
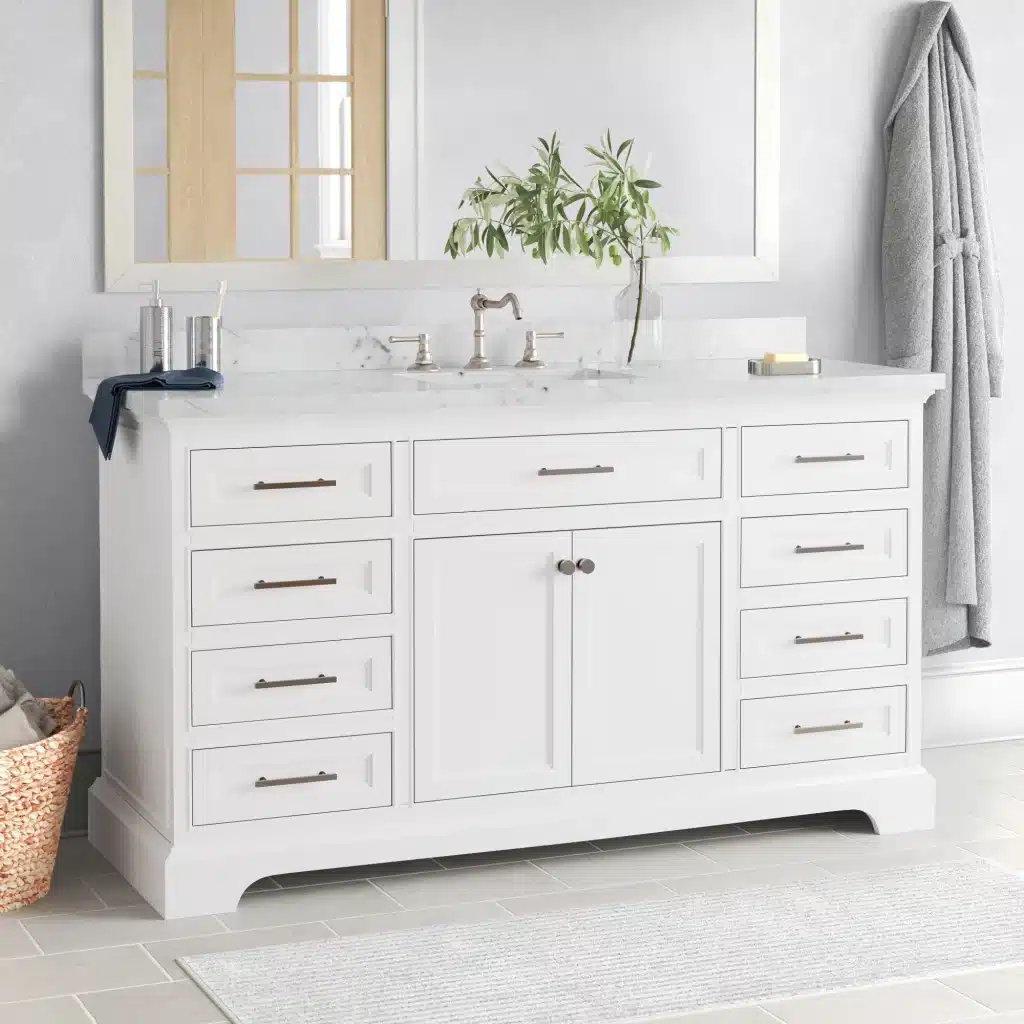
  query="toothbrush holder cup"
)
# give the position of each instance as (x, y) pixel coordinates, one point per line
(202, 341)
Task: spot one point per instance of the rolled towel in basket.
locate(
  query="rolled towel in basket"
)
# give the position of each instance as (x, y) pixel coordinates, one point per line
(23, 719)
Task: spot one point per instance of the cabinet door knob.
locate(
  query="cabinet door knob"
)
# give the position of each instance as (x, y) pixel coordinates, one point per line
(566, 566)
(586, 565)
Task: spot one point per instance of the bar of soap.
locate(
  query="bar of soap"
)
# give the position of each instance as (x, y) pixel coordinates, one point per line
(785, 357)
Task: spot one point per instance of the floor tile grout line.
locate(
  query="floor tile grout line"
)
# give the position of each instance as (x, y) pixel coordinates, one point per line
(156, 962)
(127, 943)
(386, 894)
(31, 938)
(774, 1016)
(345, 881)
(85, 1009)
(106, 906)
(564, 885)
(964, 995)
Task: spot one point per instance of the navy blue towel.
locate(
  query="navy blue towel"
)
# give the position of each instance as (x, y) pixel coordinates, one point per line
(109, 401)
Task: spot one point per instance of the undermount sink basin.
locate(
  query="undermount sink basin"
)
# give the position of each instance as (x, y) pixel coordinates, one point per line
(508, 376)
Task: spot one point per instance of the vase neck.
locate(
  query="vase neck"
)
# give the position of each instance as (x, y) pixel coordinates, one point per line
(634, 269)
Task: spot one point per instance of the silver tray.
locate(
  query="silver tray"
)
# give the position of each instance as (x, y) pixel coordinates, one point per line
(808, 368)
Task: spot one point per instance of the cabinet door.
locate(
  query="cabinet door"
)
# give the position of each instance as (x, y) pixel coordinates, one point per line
(646, 653)
(492, 665)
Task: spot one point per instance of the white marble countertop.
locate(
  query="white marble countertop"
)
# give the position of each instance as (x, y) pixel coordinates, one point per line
(344, 392)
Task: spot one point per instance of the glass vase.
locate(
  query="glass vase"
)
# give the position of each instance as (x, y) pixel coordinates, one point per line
(638, 321)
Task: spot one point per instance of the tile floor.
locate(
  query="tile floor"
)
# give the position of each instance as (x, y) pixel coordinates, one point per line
(93, 952)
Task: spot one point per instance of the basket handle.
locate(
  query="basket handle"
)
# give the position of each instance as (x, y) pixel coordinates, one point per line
(78, 690)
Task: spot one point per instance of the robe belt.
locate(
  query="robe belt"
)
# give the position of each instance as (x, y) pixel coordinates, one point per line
(951, 246)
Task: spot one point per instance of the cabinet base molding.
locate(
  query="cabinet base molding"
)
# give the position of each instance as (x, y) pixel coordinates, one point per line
(208, 874)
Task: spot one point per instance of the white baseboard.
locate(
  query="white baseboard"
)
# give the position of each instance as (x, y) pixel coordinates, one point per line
(973, 702)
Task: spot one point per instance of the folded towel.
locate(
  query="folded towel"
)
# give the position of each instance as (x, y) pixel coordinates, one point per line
(22, 718)
(110, 395)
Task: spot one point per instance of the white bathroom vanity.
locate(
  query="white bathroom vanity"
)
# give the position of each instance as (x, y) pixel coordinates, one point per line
(363, 617)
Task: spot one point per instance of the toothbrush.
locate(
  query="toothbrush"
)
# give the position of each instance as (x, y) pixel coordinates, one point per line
(221, 292)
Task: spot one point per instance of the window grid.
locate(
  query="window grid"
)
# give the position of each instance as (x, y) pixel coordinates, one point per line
(295, 171)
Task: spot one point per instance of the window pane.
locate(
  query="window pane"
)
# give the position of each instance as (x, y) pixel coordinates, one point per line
(262, 130)
(261, 37)
(264, 216)
(325, 217)
(323, 37)
(151, 218)
(150, 122)
(325, 125)
(150, 29)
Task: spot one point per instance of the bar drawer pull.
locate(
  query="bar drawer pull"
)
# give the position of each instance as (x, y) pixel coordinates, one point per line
(294, 485)
(842, 638)
(280, 684)
(806, 460)
(577, 471)
(300, 780)
(320, 581)
(808, 730)
(835, 548)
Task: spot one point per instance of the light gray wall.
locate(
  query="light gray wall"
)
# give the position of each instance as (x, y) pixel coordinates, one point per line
(841, 61)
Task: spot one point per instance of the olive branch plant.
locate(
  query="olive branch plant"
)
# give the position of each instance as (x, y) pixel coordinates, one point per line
(548, 211)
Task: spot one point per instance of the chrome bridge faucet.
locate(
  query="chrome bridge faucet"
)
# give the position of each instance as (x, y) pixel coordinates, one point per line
(479, 304)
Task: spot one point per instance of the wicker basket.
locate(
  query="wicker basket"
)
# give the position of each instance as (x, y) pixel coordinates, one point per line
(34, 783)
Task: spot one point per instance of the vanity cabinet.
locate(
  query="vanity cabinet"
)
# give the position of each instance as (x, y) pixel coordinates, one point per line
(565, 659)
(478, 619)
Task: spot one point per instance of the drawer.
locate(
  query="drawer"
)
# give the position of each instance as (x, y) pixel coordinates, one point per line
(258, 684)
(302, 581)
(233, 486)
(490, 474)
(816, 457)
(278, 780)
(823, 638)
(781, 550)
(823, 726)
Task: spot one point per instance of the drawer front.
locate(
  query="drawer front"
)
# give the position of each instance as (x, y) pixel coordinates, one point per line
(782, 550)
(278, 780)
(823, 638)
(303, 581)
(823, 726)
(490, 474)
(817, 457)
(280, 485)
(258, 684)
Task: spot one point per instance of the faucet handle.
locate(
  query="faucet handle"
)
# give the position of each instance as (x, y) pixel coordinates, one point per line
(424, 362)
(531, 358)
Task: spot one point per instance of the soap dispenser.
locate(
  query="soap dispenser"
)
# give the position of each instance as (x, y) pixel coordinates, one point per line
(155, 335)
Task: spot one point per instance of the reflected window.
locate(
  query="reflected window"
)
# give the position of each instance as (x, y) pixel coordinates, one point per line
(260, 129)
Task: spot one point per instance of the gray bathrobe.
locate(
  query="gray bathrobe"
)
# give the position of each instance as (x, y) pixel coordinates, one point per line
(943, 312)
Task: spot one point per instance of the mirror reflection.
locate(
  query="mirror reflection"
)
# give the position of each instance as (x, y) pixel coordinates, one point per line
(261, 127)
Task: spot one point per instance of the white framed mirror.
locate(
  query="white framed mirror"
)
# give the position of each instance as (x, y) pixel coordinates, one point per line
(325, 144)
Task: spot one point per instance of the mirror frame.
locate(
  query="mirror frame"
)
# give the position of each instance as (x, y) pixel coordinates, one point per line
(405, 113)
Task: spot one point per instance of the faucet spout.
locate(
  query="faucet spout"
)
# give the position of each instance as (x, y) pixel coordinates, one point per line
(511, 297)
(479, 303)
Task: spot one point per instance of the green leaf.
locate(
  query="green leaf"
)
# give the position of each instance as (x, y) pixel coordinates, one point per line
(647, 183)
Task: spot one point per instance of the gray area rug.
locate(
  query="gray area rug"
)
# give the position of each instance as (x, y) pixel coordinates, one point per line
(615, 964)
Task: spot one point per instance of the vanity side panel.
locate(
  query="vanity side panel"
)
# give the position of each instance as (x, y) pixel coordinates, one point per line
(137, 533)
(915, 601)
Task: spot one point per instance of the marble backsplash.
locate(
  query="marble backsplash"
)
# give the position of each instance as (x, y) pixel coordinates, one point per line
(259, 350)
